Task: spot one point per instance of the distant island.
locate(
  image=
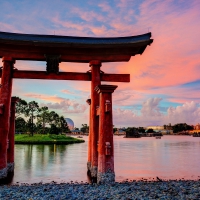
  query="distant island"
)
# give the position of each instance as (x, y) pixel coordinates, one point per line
(45, 139)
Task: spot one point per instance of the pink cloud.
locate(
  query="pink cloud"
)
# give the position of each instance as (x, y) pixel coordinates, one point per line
(67, 92)
(44, 97)
(67, 106)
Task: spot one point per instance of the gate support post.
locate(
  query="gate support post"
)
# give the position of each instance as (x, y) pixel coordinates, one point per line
(90, 138)
(11, 137)
(5, 102)
(106, 172)
(95, 72)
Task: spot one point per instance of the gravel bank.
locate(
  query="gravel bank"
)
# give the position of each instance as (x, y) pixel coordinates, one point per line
(178, 189)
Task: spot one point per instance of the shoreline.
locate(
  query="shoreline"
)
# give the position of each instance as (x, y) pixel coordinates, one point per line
(143, 189)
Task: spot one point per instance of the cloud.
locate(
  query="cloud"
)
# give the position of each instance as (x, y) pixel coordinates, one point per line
(67, 91)
(62, 104)
(44, 97)
(150, 107)
(67, 106)
(188, 112)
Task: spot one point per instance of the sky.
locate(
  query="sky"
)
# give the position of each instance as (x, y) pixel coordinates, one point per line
(165, 79)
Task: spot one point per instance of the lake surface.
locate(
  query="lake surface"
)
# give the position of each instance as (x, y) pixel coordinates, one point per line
(172, 157)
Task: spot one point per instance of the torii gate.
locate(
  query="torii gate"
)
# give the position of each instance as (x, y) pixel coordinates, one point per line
(55, 49)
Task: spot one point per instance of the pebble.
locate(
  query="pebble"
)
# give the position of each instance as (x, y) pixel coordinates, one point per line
(140, 190)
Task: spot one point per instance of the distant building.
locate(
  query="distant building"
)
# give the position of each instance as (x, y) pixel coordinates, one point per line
(168, 127)
(76, 132)
(120, 132)
(155, 128)
(165, 130)
(70, 123)
(197, 127)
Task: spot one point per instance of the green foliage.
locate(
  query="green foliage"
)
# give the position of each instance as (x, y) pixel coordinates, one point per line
(54, 129)
(39, 120)
(21, 107)
(20, 125)
(31, 111)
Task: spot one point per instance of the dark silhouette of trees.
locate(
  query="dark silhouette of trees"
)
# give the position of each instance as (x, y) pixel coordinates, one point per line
(150, 130)
(141, 130)
(20, 125)
(84, 128)
(181, 127)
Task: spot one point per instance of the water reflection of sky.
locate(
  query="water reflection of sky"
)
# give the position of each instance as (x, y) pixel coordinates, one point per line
(170, 157)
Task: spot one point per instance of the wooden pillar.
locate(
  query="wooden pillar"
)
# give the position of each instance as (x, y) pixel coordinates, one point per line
(106, 172)
(11, 136)
(89, 140)
(5, 101)
(95, 81)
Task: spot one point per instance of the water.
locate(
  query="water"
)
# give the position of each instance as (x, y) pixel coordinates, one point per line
(172, 157)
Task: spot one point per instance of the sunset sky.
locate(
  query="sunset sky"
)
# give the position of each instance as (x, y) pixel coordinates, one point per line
(165, 79)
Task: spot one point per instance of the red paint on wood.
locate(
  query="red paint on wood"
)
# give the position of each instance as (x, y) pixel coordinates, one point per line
(11, 136)
(1, 108)
(90, 138)
(115, 77)
(5, 99)
(106, 145)
(81, 55)
(95, 72)
(23, 74)
(97, 111)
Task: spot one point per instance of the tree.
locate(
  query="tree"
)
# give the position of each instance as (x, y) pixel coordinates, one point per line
(141, 130)
(54, 129)
(20, 125)
(84, 128)
(63, 125)
(31, 126)
(21, 107)
(114, 130)
(43, 117)
(150, 130)
(181, 127)
(54, 118)
(31, 112)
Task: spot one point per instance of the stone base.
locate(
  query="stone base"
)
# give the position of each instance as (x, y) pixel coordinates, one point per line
(10, 167)
(3, 173)
(93, 171)
(105, 178)
(88, 166)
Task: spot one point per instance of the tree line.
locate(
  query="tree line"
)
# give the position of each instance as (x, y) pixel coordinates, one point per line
(176, 128)
(31, 118)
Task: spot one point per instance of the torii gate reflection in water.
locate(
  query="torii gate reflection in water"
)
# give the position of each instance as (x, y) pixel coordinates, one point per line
(56, 49)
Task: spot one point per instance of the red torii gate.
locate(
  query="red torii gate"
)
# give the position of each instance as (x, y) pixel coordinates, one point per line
(56, 49)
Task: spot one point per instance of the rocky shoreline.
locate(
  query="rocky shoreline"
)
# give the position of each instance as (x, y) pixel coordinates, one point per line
(143, 189)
